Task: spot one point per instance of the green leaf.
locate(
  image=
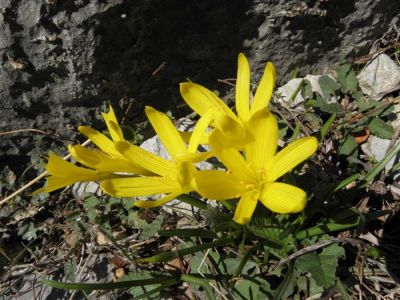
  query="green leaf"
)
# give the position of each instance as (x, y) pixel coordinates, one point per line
(321, 266)
(69, 270)
(347, 78)
(306, 90)
(28, 231)
(348, 146)
(328, 86)
(380, 128)
(148, 229)
(255, 288)
(322, 104)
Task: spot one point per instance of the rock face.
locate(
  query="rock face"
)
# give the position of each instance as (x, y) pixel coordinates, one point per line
(62, 61)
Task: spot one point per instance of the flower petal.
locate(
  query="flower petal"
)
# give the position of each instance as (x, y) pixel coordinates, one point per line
(235, 133)
(100, 140)
(112, 124)
(201, 99)
(246, 206)
(290, 156)
(243, 88)
(198, 132)
(186, 171)
(139, 186)
(283, 198)
(265, 89)
(146, 160)
(218, 185)
(155, 203)
(231, 158)
(63, 173)
(56, 166)
(264, 127)
(102, 162)
(167, 132)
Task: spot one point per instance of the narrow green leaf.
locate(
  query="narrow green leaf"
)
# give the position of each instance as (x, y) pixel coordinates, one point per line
(347, 181)
(326, 127)
(202, 282)
(110, 285)
(296, 132)
(325, 228)
(286, 286)
(381, 165)
(182, 252)
(342, 290)
(188, 232)
(192, 201)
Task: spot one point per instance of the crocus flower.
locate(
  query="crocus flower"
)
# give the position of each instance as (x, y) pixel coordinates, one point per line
(233, 126)
(171, 177)
(253, 178)
(109, 159)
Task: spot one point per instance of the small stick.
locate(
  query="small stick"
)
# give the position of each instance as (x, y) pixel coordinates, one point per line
(33, 181)
(23, 130)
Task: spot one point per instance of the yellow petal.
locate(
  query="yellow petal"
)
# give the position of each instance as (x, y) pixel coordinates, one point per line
(265, 128)
(100, 140)
(167, 132)
(146, 160)
(186, 171)
(243, 88)
(102, 162)
(232, 159)
(187, 135)
(265, 89)
(200, 130)
(155, 203)
(290, 156)
(63, 173)
(218, 185)
(235, 133)
(139, 186)
(112, 125)
(201, 99)
(56, 166)
(54, 183)
(246, 206)
(283, 198)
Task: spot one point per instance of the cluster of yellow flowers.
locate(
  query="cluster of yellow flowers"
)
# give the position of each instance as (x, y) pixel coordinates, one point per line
(246, 144)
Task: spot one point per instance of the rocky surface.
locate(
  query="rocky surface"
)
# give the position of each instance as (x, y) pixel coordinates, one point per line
(62, 61)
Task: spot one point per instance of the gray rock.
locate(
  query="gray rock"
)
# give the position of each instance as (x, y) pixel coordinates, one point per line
(61, 61)
(376, 148)
(380, 77)
(286, 92)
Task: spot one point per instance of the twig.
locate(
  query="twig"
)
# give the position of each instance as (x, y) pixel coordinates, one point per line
(308, 249)
(33, 181)
(23, 130)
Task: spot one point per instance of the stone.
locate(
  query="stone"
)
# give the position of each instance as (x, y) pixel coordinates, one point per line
(380, 77)
(286, 91)
(376, 148)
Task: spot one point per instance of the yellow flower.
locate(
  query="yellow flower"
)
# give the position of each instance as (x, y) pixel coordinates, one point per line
(109, 159)
(63, 173)
(254, 177)
(101, 164)
(234, 127)
(172, 177)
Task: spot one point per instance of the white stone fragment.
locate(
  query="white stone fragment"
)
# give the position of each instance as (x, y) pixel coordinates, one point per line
(287, 91)
(376, 148)
(380, 77)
